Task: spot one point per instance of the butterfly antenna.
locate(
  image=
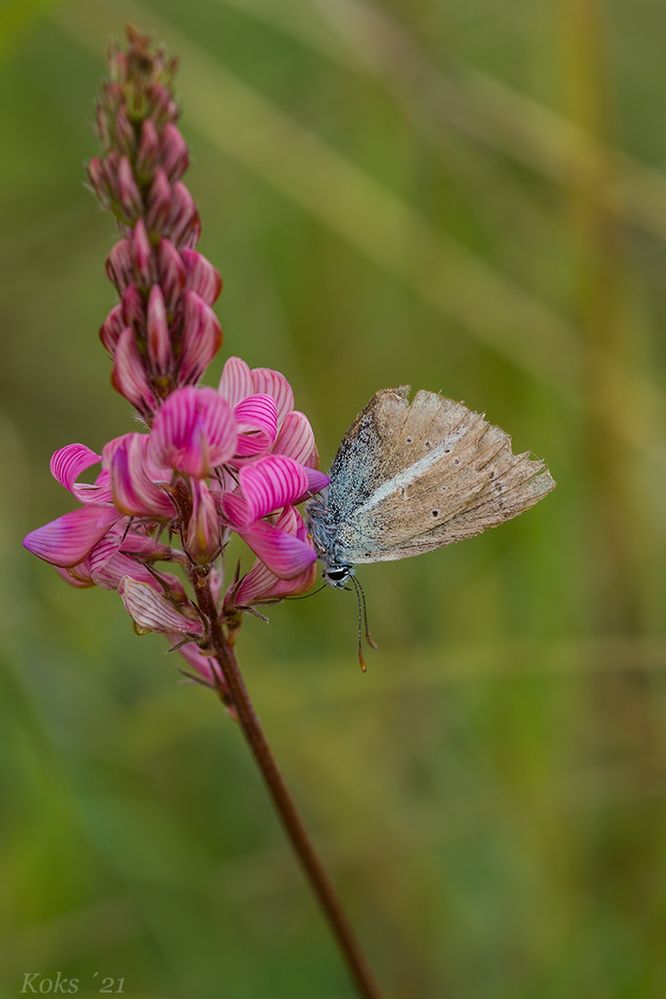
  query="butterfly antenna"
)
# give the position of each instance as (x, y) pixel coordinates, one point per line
(359, 644)
(368, 637)
(306, 595)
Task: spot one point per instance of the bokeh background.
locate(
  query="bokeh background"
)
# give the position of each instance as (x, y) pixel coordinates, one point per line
(461, 194)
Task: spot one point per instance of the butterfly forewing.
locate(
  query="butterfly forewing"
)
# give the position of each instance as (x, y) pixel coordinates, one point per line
(412, 477)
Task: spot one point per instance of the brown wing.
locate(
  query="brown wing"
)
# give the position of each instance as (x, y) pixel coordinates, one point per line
(438, 473)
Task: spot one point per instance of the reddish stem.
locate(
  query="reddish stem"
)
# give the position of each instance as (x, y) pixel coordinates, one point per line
(282, 799)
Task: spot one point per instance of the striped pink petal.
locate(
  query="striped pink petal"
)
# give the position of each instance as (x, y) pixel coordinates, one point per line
(152, 612)
(129, 376)
(257, 425)
(194, 432)
(236, 381)
(67, 540)
(108, 565)
(264, 487)
(285, 555)
(68, 462)
(134, 491)
(296, 438)
(202, 337)
(111, 329)
(260, 584)
(274, 383)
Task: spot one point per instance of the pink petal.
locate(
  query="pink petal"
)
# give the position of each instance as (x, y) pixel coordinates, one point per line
(296, 438)
(316, 480)
(67, 540)
(270, 483)
(129, 376)
(283, 554)
(132, 485)
(202, 277)
(236, 381)
(68, 462)
(108, 565)
(260, 584)
(257, 424)
(202, 337)
(152, 612)
(194, 431)
(275, 384)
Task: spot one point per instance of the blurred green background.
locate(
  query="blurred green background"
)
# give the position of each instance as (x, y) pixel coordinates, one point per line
(465, 195)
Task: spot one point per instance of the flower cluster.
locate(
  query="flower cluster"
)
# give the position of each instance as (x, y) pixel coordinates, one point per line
(238, 458)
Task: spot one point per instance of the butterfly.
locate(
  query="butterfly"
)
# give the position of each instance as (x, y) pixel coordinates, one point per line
(413, 476)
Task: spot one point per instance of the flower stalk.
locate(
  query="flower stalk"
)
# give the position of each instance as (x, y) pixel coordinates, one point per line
(154, 524)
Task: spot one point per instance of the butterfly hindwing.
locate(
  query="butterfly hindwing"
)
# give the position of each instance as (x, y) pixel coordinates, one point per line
(414, 476)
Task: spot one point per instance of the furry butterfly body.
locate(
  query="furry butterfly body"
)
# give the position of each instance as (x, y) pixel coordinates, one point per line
(413, 476)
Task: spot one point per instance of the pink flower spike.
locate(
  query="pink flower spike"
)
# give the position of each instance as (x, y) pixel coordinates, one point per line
(142, 255)
(128, 376)
(174, 153)
(296, 438)
(111, 329)
(67, 540)
(257, 425)
(202, 539)
(152, 612)
(159, 342)
(202, 277)
(171, 272)
(285, 555)
(236, 381)
(134, 491)
(274, 383)
(119, 265)
(202, 337)
(194, 432)
(265, 486)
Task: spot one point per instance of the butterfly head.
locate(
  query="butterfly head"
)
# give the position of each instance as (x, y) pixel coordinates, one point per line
(338, 574)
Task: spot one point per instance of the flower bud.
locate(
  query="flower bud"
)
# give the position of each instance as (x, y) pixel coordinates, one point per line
(126, 189)
(174, 154)
(159, 202)
(201, 338)
(146, 156)
(142, 255)
(111, 329)
(172, 273)
(184, 227)
(202, 277)
(159, 346)
(129, 376)
(119, 265)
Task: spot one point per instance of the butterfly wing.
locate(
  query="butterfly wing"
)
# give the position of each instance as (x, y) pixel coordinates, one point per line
(414, 476)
